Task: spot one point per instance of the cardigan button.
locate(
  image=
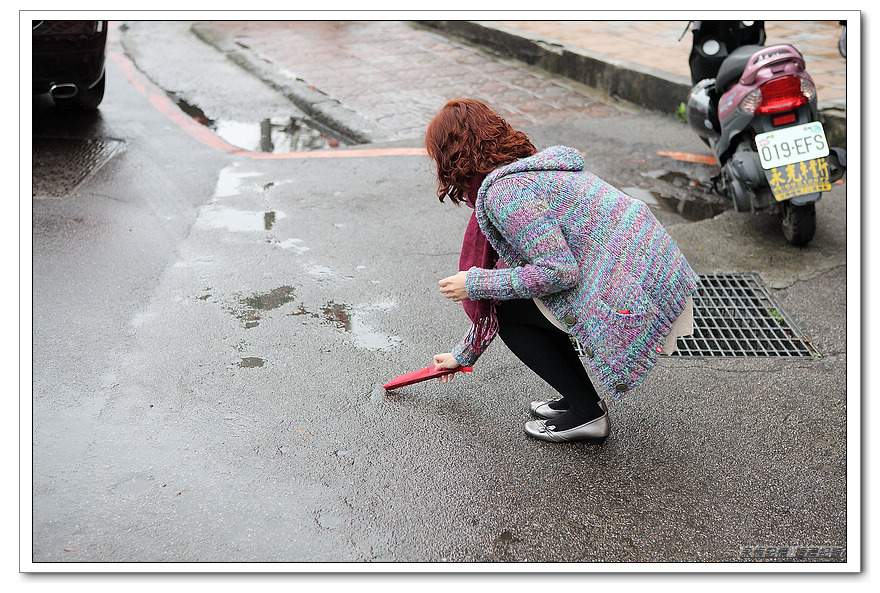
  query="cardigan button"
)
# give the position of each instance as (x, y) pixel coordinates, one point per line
(569, 320)
(588, 351)
(621, 388)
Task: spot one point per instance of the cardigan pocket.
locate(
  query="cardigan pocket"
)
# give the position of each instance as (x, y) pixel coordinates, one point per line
(619, 329)
(625, 325)
(624, 319)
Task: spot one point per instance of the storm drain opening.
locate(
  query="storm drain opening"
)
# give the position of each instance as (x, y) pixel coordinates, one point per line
(735, 316)
(60, 165)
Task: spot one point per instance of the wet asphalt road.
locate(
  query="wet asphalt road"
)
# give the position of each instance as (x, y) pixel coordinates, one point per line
(211, 333)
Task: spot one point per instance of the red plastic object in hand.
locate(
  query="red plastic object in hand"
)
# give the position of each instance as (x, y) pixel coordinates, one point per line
(422, 375)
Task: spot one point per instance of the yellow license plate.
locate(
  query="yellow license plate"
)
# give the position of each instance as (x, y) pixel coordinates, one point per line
(797, 179)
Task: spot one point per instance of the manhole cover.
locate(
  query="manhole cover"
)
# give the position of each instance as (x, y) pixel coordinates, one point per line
(735, 316)
(61, 164)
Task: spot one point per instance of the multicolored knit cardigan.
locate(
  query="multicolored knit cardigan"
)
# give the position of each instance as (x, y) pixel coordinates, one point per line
(597, 258)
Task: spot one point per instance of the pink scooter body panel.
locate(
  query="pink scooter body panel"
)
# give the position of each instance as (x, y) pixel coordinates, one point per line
(768, 63)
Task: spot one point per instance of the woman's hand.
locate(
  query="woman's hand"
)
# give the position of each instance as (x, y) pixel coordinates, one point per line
(455, 287)
(445, 361)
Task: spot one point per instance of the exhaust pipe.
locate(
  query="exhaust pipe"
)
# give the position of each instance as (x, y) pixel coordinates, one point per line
(62, 91)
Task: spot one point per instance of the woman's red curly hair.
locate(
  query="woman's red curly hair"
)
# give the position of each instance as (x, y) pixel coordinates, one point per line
(467, 138)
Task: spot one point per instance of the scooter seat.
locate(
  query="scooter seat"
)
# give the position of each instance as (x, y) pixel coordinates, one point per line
(733, 66)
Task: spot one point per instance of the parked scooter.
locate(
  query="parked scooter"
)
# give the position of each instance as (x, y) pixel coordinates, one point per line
(756, 107)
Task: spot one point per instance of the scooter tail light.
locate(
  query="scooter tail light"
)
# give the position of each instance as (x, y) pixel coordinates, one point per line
(751, 101)
(808, 89)
(783, 94)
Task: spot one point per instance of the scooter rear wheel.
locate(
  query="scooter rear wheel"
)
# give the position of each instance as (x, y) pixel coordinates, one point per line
(798, 223)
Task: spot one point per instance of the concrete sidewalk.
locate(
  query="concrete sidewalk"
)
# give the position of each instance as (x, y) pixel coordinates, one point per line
(646, 62)
(384, 81)
(665, 45)
(380, 80)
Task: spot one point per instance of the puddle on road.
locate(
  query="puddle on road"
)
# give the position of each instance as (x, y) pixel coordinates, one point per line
(328, 521)
(270, 300)
(688, 203)
(239, 220)
(332, 313)
(250, 310)
(251, 362)
(691, 210)
(320, 272)
(293, 135)
(294, 245)
(230, 181)
(255, 304)
(351, 320)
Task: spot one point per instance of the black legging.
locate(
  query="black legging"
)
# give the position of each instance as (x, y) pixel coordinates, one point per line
(548, 351)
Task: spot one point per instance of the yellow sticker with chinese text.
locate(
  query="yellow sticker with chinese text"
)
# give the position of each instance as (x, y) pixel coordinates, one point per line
(798, 179)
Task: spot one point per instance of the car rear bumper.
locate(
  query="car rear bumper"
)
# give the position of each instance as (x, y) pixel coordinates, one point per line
(68, 52)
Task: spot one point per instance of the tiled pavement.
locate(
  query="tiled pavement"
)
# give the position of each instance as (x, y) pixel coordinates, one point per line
(665, 45)
(398, 75)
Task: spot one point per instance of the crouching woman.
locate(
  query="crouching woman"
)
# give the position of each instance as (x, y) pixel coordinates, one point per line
(552, 253)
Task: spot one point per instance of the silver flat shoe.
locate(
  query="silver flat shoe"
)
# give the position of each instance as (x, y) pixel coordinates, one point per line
(594, 430)
(543, 410)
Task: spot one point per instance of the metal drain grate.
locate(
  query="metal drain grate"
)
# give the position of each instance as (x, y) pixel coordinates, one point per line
(62, 164)
(735, 316)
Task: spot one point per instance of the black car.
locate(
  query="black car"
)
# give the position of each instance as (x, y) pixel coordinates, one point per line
(68, 61)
